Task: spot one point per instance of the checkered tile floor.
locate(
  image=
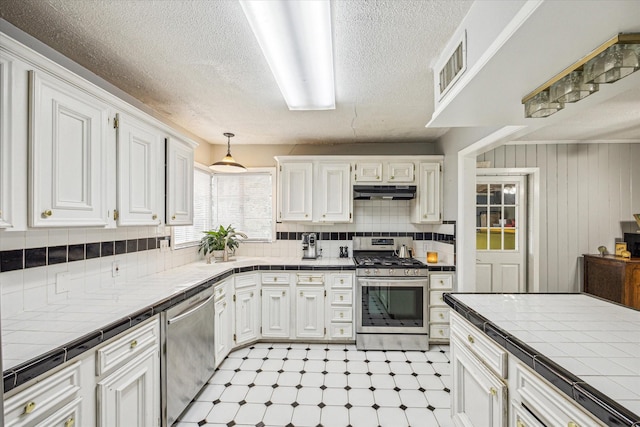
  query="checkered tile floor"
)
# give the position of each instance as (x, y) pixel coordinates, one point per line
(326, 385)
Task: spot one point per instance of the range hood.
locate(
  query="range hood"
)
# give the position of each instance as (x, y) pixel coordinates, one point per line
(384, 192)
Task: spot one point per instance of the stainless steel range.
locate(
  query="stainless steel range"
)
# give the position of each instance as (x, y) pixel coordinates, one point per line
(391, 295)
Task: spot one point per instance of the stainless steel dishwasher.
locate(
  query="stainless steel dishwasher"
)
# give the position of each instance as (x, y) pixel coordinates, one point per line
(188, 360)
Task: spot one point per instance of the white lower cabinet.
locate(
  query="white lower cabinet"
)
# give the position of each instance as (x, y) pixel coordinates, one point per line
(223, 322)
(130, 397)
(479, 397)
(247, 309)
(276, 309)
(438, 309)
(69, 416)
(310, 312)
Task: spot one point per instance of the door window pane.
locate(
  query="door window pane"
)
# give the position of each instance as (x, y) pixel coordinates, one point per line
(496, 212)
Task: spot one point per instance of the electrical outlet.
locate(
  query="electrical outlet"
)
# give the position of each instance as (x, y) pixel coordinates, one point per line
(63, 280)
(164, 245)
(115, 269)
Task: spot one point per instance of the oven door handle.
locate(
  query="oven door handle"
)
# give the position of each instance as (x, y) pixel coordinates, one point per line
(396, 281)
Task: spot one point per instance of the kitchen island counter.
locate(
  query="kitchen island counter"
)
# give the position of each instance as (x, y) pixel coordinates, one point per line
(587, 347)
(41, 339)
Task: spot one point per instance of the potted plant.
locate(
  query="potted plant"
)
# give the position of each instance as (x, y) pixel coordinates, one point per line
(213, 243)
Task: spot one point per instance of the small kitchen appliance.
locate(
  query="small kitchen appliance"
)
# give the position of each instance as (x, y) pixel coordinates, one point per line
(391, 295)
(309, 246)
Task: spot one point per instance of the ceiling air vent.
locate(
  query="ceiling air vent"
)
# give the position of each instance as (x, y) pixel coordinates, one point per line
(454, 67)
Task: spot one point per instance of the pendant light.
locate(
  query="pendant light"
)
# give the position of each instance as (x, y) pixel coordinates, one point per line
(228, 163)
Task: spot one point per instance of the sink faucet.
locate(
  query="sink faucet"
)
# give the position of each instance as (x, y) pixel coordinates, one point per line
(225, 256)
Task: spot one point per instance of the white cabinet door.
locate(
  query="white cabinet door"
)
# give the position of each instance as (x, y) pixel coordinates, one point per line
(427, 206)
(334, 193)
(400, 172)
(179, 182)
(67, 153)
(6, 141)
(368, 172)
(247, 315)
(140, 172)
(296, 187)
(275, 312)
(223, 326)
(478, 397)
(310, 312)
(130, 397)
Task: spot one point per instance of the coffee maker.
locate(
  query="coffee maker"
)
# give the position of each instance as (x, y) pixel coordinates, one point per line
(309, 247)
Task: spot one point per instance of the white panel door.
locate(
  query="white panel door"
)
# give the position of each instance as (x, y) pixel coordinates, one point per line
(179, 183)
(5, 141)
(296, 191)
(368, 172)
(140, 172)
(130, 397)
(223, 326)
(501, 234)
(478, 397)
(310, 312)
(400, 172)
(427, 206)
(67, 153)
(334, 192)
(275, 312)
(247, 315)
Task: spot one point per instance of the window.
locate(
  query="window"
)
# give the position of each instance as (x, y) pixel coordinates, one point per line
(246, 201)
(190, 235)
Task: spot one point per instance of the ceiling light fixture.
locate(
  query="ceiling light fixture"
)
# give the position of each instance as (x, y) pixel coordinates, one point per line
(295, 38)
(611, 61)
(228, 163)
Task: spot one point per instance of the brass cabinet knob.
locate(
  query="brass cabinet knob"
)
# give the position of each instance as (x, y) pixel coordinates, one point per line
(133, 344)
(306, 215)
(441, 315)
(323, 216)
(173, 217)
(29, 407)
(391, 177)
(251, 294)
(275, 279)
(493, 391)
(341, 314)
(572, 424)
(424, 216)
(341, 297)
(301, 293)
(341, 281)
(377, 176)
(341, 331)
(442, 282)
(47, 213)
(471, 340)
(441, 332)
(154, 216)
(224, 304)
(284, 293)
(441, 298)
(70, 422)
(519, 423)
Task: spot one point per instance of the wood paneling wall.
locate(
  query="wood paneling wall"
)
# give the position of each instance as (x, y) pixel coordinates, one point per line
(586, 191)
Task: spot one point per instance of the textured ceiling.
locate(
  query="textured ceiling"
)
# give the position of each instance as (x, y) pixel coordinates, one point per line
(198, 63)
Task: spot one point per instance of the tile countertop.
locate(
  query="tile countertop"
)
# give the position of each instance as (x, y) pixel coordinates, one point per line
(38, 334)
(589, 338)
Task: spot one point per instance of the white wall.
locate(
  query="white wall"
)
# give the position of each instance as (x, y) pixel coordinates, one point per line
(586, 191)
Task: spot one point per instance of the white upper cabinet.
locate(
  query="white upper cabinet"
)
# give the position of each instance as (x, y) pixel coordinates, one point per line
(5, 142)
(140, 174)
(67, 154)
(333, 193)
(400, 172)
(179, 182)
(427, 206)
(368, 172)
(295, 196)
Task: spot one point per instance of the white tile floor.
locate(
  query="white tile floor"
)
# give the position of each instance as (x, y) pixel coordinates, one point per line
(326, 385)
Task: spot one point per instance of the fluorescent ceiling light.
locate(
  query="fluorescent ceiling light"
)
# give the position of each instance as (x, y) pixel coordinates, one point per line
(295, 38)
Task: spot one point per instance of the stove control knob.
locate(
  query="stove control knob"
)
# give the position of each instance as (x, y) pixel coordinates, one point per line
(366, 272)
(376, 271)
(407, 272)
(391, 272)
(416, 272)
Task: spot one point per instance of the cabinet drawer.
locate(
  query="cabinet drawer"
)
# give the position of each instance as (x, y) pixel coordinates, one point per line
(494, 356)
(341, 297)
(520, 417)
(278, 278)
(439, 331)
(441, 281)
(439, 314)
(341, 314)
(246, 280)
(550, 406)
(69, 416)
(436, 299)
(44, 398)
(342, 281)
(126, 347)
(310, 279)
(341, 330)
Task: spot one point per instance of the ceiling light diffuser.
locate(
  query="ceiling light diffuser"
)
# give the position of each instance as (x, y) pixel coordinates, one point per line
(295, 38)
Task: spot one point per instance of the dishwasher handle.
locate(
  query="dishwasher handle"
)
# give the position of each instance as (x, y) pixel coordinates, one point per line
(190, 311)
